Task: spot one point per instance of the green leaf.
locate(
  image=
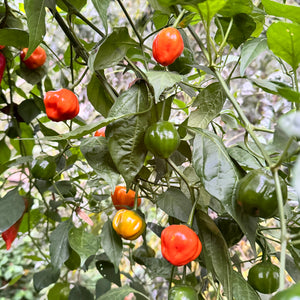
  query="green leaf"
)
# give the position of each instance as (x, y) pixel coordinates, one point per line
(161, 80)
(78, 4)
(59, 245)
(28, 110)
(234, 7)
(296, 177)
(35, 13)
(27, 142)
(102, 286)
(95, 151)
(215, 251)
(32, 76)
(291, 12)
(118, 293)
(14, 37)
(59, 289)
(111, 243)
(11, 209)
(45, 277)
(80, 292)
(278, 88)
(113, 49)
(100, 100)
(284, 41)
(84, 243)
(242, 290)
(175, 203)
(35, 218)
(101, 7)
(291, 265)
(290, 124)
(209, 103)
(107, 269)
(250, 51)
(5, 152)
(126, 136)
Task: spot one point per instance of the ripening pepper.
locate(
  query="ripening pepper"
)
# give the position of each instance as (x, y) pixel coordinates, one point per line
(123, 200)
(182, 292)
(128, 224)
(43, 168)
(167, 46)
(180, 244)
(256, 194)
(36, 59)
(162, 139)
(100, 132)
(2, 65)
(291, 293)
(264, 277)
(61, 105)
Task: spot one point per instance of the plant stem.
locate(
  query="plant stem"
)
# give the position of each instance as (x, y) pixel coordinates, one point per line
(178, 19)
(283, 154)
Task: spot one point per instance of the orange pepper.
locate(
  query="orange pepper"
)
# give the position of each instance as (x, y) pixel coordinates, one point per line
(121, 199)
(36, 59)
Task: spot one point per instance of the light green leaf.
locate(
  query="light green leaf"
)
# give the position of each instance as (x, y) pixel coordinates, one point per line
(119, 293)
(101, 7)
(14, 37)
(284, 41)
(5, 152)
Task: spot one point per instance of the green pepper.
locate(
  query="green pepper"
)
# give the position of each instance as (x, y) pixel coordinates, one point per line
(182, 64)
(230, 229)
(256, 194)
(141, 252)
(182, 292)
(264, 277)
(162, 139)
(43, 168)
(291, 293)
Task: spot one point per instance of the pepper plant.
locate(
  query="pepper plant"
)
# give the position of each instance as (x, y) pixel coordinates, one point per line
(195, 97)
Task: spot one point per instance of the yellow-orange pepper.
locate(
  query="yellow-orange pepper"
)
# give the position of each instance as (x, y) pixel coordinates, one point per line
(128, 224)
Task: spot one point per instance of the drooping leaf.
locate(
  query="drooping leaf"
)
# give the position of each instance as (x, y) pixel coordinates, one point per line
(35, 13)
(96, 152)
(11, 209)
(284, 41)
(101, 7)
(84, 243)
(98, 97)
(14, 37)
(250, 51)
(113, 49)
(209, 103)
(291, 12)
(80, 292)
(112, 244)
(45, 277)
(59, 245)
(215, 251)
(161, 80)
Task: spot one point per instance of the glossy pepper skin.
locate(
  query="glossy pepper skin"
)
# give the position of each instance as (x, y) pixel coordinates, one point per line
(264, 277)
(43, 168)
(61, 105)
(100, 132)
(256, 194)
(141, 252)
(167, 46)
(291, 293)
(123, 200)
(128, 224)
(230, 229)
(162, 139)
(36, 59)
(2, 65)
(180, 244)
(182, 292)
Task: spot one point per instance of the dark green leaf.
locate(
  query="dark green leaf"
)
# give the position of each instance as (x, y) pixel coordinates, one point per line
(113, 49)
(101, 7)
(291, 266)
(250, 51)
(118, 293)
(5, 152)
(234, 7)
(64, 188)
(59, 245)
(284, 41)
(291, 12)
(84, 243)
(101, 101)
(32, 76)
(35, 12)
(107, 269)
(14, 37)
(45, 277)
(11, 209)
(102, 286)
(209, 103)
(112, 244)
(28, 110)
(80, 292)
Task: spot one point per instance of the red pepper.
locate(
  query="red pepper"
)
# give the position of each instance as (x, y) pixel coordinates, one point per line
(180, 244)
(61, 105)
(2, 47)
(2, 65)
(36, 59)
(100, 132)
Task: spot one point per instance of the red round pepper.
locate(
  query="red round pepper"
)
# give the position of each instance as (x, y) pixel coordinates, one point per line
(61, 105)
(123, 200)
(2, 66)
(36, 59)
(167, 46)
(100, 132)
(180, 244)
